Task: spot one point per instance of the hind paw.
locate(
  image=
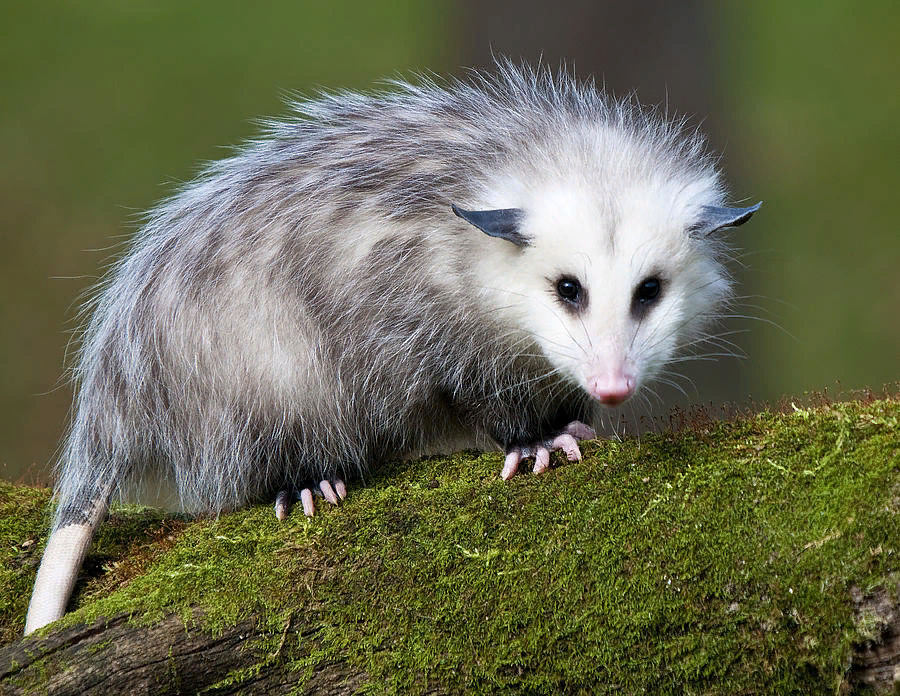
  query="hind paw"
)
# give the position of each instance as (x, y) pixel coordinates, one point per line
(333, 491)
(567, 441)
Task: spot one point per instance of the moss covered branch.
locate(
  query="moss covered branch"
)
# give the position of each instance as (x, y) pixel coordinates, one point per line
(756, 555)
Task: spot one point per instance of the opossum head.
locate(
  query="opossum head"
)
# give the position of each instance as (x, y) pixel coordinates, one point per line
(609, 287)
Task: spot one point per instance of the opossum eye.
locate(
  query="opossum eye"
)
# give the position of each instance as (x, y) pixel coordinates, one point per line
(569, 290)
(647, 291)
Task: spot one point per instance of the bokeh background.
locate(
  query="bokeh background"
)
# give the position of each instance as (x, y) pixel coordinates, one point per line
(106, 106)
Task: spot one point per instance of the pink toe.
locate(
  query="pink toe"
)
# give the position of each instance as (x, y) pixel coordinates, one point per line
(340, 489)
(541, 460)
(567, 444)
(511, 465)
(328, 492)
(306, 497)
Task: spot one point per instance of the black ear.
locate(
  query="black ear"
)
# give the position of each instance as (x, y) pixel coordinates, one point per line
(713, 218)
(503, 223)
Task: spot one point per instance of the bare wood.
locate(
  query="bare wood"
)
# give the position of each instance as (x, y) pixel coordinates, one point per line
(115, 657)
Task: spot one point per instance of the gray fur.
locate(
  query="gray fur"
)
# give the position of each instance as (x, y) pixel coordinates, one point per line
(309, 307)
(387, 347)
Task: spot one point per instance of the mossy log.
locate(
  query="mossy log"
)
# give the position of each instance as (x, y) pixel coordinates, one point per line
(757, 555)
(113, 656)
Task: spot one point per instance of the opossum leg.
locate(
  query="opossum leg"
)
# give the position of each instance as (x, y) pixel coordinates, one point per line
(333, 491)
(567, 441)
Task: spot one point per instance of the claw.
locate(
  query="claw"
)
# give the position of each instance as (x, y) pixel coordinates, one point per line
(568, 444)
(328, 492)
(567, 441)
(541, 460)
(306, 497)
(511, 465)
(333, 491)
(282, 505)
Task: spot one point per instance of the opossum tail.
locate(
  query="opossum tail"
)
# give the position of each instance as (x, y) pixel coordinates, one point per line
(90, 475)
(65, 552)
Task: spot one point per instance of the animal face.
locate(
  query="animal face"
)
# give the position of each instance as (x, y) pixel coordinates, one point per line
(611, 287)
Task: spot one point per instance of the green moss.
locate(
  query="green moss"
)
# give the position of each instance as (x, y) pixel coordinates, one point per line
(718, 559)
(22, 523)
(128, 542)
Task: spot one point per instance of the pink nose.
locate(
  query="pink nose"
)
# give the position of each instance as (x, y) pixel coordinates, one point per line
(611, 390)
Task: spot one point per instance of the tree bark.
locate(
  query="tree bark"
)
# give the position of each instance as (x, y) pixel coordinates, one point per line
(111, 656)
(876, 663)
(114, 657)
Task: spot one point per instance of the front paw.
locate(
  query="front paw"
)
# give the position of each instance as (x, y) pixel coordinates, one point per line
(333, 491)
(567, 441)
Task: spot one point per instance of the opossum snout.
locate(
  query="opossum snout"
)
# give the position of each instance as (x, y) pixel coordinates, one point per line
(611, 388)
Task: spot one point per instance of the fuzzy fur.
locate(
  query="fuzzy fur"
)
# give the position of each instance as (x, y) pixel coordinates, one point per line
(311, 306)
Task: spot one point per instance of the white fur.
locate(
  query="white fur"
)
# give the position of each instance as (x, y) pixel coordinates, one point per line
(609, 218)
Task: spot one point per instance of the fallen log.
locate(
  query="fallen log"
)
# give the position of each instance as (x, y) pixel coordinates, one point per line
(755, 555)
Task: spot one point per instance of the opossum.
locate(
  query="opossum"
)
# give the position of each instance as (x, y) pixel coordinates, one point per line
(485, 261)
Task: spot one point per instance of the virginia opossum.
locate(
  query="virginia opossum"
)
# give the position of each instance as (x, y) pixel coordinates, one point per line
(483, 260)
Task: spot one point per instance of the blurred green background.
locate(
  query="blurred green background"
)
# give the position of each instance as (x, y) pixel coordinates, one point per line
(105, 106)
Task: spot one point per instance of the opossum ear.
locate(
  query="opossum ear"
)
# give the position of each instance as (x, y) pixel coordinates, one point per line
(713, 218)
(503, 223)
